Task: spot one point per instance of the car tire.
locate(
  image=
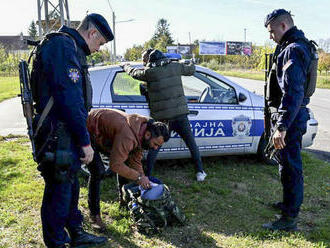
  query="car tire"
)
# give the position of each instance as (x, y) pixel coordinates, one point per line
(261, 152)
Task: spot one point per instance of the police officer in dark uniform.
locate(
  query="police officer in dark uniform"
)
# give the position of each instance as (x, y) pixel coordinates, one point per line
(287, 99)
(63, 95)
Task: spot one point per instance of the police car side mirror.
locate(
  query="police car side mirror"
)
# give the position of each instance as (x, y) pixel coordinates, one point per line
(241, 97)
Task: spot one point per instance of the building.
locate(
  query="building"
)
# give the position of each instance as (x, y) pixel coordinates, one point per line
(15, 43)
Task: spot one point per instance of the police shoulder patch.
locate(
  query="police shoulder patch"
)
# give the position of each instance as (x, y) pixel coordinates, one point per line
(74, 74)
(287, 64)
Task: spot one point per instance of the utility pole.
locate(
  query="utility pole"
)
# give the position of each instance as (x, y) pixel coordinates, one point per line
(114, 31)
(51, 10)
(244, 34)
(114, 36)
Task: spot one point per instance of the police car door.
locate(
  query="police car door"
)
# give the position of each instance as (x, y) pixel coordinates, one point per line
(220, 122)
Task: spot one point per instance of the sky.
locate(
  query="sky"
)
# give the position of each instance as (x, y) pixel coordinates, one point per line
(209, 20)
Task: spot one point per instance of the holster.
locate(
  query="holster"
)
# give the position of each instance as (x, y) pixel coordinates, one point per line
(270, 151)
(55, 155)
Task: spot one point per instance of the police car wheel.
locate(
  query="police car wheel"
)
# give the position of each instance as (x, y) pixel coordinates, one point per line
(261, 152)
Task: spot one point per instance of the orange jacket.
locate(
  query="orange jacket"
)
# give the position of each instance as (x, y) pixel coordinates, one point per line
(120, 135)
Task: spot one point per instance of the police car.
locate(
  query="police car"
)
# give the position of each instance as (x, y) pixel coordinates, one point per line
(225, 117)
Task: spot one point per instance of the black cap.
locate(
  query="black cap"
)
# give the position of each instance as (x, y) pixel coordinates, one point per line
(156, 55)
(277, 12)
(102, 26)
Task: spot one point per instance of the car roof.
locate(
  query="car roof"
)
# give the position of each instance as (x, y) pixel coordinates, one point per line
(199, 68)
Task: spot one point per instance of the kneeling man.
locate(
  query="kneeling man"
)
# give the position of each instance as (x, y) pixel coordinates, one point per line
(122, 137)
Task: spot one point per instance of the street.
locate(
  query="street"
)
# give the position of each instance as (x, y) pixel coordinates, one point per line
(320, 105)
(13, 122)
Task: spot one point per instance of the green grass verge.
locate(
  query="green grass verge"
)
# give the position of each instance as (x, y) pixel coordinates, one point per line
(322, 81)
(224, 211)
(9, 87)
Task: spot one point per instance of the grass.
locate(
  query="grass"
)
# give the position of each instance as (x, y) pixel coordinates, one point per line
(224, 211)
(322, 81)
(9, 87)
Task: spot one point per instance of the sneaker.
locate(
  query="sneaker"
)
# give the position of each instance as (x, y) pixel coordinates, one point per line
(284, 223)
(97, 223)
(201, 176)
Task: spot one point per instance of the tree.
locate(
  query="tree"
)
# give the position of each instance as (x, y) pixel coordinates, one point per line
(134, 53)
(324, 62)
(160, 40)
(324, 44)
(162, 36)
(163, 31)
(33, 30)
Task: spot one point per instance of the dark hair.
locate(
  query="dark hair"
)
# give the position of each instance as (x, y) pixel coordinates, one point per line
(157, 128)
(86, 24)
(146, 53)
(287, 18)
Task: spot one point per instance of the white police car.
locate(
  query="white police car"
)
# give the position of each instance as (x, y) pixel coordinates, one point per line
(225, 118)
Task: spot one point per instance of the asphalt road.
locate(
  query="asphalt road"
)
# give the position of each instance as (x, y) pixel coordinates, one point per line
(12, 120)
(320, 106)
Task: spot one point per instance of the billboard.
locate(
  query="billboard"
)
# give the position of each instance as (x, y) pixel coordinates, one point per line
(184, 50)
(212, 48)
(239, 48)
(181, 49)
(172, 49)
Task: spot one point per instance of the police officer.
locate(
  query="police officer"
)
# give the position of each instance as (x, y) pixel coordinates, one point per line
(63, 94)
(288, 102)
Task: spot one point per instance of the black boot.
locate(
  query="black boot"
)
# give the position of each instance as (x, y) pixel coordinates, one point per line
(80, 238)
(284, 223)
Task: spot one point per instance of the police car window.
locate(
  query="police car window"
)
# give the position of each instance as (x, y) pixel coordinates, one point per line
(193, 87)
(218, 91)
(126, 89)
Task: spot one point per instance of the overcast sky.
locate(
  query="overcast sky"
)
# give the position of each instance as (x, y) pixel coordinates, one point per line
(210, 20)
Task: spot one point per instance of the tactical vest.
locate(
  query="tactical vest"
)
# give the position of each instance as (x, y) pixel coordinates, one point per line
(273, 91)
(39, 86)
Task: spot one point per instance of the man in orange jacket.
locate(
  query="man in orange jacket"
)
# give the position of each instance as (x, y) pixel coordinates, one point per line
(122, 137)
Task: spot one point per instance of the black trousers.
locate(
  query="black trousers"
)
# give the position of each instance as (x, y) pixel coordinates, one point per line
(181, 126)
(97, 173)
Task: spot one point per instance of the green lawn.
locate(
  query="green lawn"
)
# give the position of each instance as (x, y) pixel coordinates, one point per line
(9, 87)
(322, 81)
(224, 211)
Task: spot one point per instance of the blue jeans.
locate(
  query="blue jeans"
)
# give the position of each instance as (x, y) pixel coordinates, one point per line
(181, 126)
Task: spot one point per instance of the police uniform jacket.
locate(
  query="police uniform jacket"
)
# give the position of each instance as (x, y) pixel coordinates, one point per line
(64, 77)
(293, 60)
(120, 135)
(165, 90)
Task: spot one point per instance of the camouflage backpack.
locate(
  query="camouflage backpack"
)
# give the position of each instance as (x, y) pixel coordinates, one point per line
(152, 216)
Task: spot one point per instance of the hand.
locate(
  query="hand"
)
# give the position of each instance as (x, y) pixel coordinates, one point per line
(89, 154)
(278, 139)
(144, 182)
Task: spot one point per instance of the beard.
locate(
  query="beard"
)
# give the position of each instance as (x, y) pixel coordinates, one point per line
(146, 144)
